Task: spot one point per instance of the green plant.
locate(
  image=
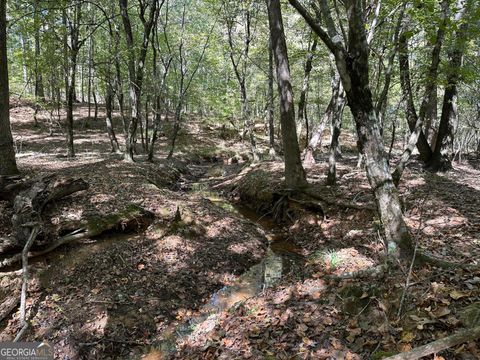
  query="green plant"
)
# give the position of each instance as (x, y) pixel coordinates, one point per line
(331, 257)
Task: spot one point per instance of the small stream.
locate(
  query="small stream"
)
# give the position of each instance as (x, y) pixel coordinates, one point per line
(281, 258)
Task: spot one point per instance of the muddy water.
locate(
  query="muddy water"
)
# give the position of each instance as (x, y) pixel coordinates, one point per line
(281, 258)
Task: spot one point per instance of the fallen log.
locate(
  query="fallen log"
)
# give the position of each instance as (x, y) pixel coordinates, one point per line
(10, 186)
(29, 204)
(133, 218)
(23, 295)
(8, 305)
(439, 345)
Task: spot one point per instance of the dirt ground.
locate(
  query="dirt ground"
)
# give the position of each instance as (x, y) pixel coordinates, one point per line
(114, 296)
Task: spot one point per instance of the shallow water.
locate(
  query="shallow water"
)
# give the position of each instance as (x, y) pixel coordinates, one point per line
(281, 258)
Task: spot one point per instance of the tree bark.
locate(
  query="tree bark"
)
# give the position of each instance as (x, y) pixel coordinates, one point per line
(336, 125)
(449, 111)
(436, 346)
(72, 50)
(109, 118)
(411, 114)
(295, 176)
(39, 89)
(136, 69)
(240, 67)
(428, 108)
(70, 101)
(8, 165)
(271, 110)
(302, 102)
(352, 60)
(332, 115)
(398, 240)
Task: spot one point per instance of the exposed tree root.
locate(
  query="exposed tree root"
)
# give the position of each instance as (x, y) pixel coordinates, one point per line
(439, 345)
(422, 258)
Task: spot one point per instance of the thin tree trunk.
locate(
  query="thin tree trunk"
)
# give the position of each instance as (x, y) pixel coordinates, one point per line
(412, 118)
(302, 102)
(295, 176)
(24, 62)
(95, 102)
(240, 68)
(39, 89)
(136, 70)
(337, 114)
(89, 84)
(8, 165)
(75, 45)
(70, 100)
(428, 108)
(449, 111)
(354, 72)
(109, 118)
(333, 114)
(147, 105)
(271, 111)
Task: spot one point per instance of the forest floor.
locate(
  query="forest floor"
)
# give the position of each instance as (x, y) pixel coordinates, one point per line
(127, 295)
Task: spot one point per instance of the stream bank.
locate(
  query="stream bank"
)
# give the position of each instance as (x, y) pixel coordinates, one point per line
(108, 297)
(282, 258)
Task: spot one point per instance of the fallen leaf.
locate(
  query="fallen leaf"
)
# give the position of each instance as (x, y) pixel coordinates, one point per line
(455, 295)
(441, 311)
(407, 336)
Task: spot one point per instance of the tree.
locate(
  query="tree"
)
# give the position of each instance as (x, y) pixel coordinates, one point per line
(270, 101)
(240, 63)
(302, 102)
(8, 166)
(295, 176)
(72, 48)
(136, 67)
(449, 106)
(351, 52)
(337, 105)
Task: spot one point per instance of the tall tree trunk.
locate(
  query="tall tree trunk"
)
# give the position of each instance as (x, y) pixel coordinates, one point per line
(109, 117)
(271, 110)
(160, 90)
(119, 84)
(302, 102)
(73, 49)
(295, 176)
(240, 68)
(39, 89)
(336, 126)
(398, 240)
(24, 62)
(136, 69)
(333, 114)
(90, 81)
(428, 108)
(352, 60)
(411, 114)
(8, 166)
(70, 101)
(449, 113)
